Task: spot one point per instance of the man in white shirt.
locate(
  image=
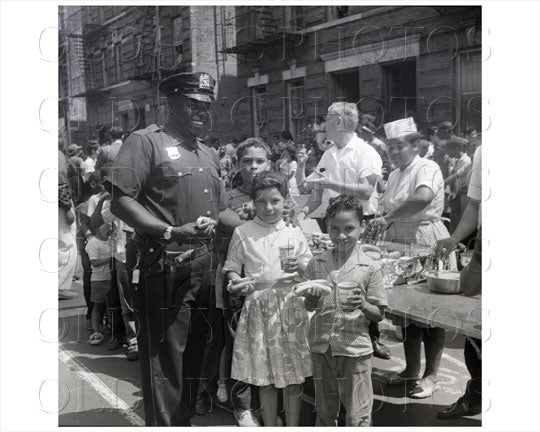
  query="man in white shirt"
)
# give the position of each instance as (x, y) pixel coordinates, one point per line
(350, 166)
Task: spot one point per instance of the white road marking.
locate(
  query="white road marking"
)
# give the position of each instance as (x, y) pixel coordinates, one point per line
(454, 361)
(101, 388)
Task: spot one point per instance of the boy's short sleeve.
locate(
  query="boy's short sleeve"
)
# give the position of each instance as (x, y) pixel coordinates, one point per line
(376, 293)
(236, 254)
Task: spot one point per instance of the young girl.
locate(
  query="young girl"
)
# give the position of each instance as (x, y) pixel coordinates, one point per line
(271, 349)
(339, 339)
(253, 157)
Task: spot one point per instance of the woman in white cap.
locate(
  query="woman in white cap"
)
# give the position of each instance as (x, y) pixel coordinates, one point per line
(412, 207)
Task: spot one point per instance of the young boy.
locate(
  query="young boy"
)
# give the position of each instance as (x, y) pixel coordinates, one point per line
(339, 338)
(99, 252)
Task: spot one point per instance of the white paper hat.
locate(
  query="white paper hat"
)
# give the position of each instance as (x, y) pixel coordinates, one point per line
(400, 128)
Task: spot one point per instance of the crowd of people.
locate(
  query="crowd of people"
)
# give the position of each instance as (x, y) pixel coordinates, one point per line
(179, 238)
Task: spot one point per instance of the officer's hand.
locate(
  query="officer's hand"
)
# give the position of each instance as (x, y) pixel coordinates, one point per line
(314, 293)
(190, 231)
(443, 247)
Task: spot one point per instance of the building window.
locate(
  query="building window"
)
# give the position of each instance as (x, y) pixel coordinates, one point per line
(105, 78)
(137, 49)
(178, 41)
(470, 90)
(258, 110)
(338, 12)
(118, 62)
(125, 121)
(399, 90)
(294, 17)
(295, 107)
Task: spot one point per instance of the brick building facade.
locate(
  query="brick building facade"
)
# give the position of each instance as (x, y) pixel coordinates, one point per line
(112, 58)
(392, 61)
(277, 68)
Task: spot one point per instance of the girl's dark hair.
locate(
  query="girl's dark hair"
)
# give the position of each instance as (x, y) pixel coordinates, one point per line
(344, 202)
(269, 180)
(252, 142)
(286, 135)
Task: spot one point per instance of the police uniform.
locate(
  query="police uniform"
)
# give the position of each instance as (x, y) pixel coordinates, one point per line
(177, 182)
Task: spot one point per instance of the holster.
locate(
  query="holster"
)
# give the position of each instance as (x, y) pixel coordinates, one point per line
(176, 273)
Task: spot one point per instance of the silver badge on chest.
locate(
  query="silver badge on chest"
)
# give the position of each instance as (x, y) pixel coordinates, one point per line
(173, 153)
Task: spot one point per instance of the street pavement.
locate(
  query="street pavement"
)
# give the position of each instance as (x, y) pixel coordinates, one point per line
(99, 387)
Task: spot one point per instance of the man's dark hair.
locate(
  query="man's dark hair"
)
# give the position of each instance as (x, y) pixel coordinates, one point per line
(269, 180)
(344, 202)
(91, 147)
(116, 133)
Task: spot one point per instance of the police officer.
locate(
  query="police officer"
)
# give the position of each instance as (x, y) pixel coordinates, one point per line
(163, 181)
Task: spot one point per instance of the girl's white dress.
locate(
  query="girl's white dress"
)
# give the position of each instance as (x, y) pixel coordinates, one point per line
(271, 343)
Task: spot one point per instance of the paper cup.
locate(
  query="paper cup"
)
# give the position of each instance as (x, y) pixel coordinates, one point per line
(345, 290)
(285, 252)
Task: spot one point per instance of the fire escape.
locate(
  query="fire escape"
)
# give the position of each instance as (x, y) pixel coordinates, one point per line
(258, 29)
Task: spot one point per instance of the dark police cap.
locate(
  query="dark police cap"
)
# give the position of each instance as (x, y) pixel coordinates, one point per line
(194, 85)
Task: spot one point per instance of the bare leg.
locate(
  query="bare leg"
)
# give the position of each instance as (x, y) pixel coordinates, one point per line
(293, 404)
(412, 346)
(433, 349)
(97, 315)
(269, 404)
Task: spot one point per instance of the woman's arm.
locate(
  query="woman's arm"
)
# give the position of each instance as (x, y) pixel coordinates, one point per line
(415, 204)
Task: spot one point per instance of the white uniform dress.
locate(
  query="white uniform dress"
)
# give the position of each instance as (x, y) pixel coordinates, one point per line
(425, 227)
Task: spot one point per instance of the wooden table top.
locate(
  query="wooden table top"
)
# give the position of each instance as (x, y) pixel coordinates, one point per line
(453, 312)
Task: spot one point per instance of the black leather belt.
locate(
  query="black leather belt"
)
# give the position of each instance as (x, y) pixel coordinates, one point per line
(197, 251)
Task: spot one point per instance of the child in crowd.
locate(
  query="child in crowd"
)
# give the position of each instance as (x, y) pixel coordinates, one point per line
(339, 339)
(99, 252)
(271, 349)
(253, 157)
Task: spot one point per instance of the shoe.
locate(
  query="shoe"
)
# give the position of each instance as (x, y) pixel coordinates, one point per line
(379, 350)
(424, 389)
(113, 344)
(459, 409)
(96, 338)
(67, 295)
(222, 392)
(246, 418)
(400, 380)
(203, 405)
(132, 352)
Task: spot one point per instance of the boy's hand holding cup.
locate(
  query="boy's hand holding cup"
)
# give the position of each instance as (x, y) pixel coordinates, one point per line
(357, 299)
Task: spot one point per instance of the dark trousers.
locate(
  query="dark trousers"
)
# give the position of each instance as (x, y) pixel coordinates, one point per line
(374, 332)
(171, 340)
(474, 365)
(240, 393)
(212, 353)
(87, 286)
